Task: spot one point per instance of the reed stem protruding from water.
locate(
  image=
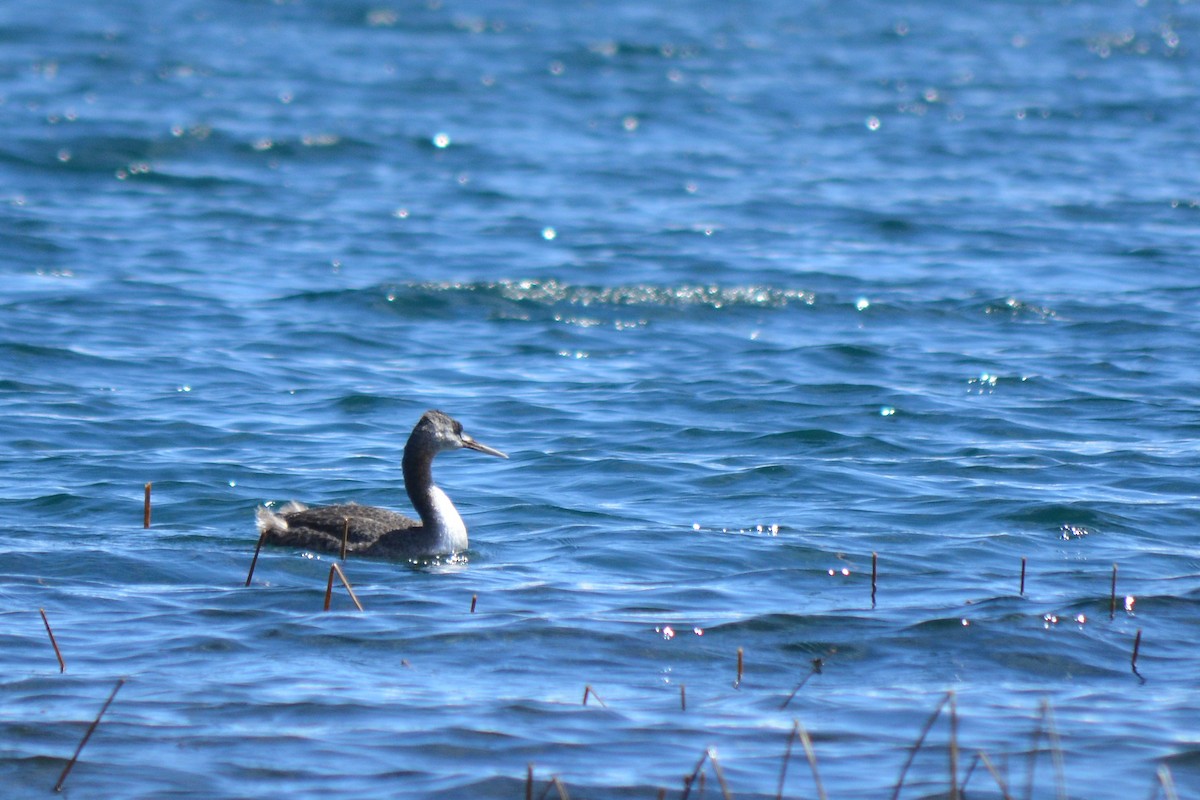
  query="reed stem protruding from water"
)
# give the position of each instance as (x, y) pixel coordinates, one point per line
(91, 729)
(146, 509)
(1112, 595)
(740, 665)
(474, 598)
(874, 575)
(1023, 576)
(588, 691)
(336, 568)
(816, 669)
(917, 744)
(1137, 645)
(809, 753)
(62, 665)
(345, 538)
(682, 697)
(261, 537)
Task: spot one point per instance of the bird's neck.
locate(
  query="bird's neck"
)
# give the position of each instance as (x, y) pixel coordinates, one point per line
(439, 518)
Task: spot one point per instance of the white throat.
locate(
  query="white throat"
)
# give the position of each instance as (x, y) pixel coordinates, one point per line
(448, 527)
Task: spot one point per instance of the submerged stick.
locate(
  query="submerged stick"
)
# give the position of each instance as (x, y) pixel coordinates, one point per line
(738, 682)
(146, 509)
(874, 575)
(91, 728)
(917, 745)
(1112, 597)
(1022, 576)
(261, 537)
(62, 665)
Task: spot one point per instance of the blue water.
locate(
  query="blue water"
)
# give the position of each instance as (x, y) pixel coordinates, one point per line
(747, 293)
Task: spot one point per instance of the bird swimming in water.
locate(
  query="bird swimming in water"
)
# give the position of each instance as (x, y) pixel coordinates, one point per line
(377, 531)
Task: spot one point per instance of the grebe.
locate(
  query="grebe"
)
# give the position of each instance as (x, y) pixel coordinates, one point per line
(376, 531)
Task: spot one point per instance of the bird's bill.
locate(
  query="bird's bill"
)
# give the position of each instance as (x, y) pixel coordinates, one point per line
(483, 448)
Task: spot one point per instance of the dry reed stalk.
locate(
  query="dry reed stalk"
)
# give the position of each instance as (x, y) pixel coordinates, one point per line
(588, 691)
(690, 779)
(874, 575)
(953, 747)
(345, 538)
(554, 783)
(737, 683)
(62, 665)
(474, 598)
(809, 753)
(254, 560)
(146, 509)
(1056, 757)
(1166, 782)
(1056, 752)
(1022, 576)
(720, 773)
(1137, 645)
(987, 762)
(91, 729)
(917, 745)
(816, 669)
(1112, 596)
(529, 781)
(335, 567)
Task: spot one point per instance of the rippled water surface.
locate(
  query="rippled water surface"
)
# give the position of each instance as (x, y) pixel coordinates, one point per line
(748, 294)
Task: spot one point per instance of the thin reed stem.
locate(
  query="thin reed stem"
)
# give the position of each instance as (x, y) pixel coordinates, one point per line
(254, 560)
(987, 762)
(1112, 596)
(91, 729)
(62, 665)
(335, 567)
(1167, 782)
(690, 779)
(874, 575)
(953, 747)
(146, 508)
(816, 669)
(917, 745)
(720, 773)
